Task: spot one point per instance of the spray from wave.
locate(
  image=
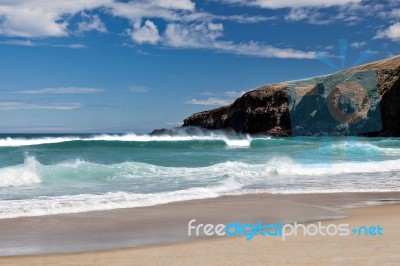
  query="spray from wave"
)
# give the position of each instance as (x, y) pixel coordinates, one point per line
(32, 171)
(45, 185)
(20, 175)
(276, 173)
(233, 142)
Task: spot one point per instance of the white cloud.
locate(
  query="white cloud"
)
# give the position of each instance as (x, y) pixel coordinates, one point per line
(391, 12)
(174, 4)
(262, 50)
(315, 12)
(392, 32)
(50, 18)
(209, 101)
(30, 43)
(241, 18)
(25, 22)
(71, 46)
(91, 23)
(234, 94)
(395, 13)
(19, 42)
(275, 4)
(206, 36)
(228, 97)
(41, 18)
(188, 34)
(148, 33)
(208, 17)
(357, 45)
(168, 10)
(33, 106)
(192, 36)
(313, 15)
(297, 14)
(138, 89)
(63, 90)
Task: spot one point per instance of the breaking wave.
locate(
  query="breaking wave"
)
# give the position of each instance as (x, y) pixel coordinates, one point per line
(239, 141)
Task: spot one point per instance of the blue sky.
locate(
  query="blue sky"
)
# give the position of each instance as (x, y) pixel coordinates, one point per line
(132, 66)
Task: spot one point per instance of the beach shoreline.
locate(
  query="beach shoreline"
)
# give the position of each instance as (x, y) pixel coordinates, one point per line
(352, 250)
(164, 226)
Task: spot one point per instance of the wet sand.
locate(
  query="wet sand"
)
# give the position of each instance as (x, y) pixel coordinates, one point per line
(158, 234)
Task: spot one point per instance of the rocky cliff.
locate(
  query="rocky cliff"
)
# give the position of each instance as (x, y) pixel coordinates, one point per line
(364, 100)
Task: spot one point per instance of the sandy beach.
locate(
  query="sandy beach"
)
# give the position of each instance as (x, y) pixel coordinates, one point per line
(189, 132)
(174, 246)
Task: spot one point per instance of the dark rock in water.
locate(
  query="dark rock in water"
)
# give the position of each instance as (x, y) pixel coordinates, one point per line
(191, 131)
(363, 100)
(162, 131)
(263, 110)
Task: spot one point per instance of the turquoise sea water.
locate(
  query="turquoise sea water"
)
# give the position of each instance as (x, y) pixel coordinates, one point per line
(51, 174)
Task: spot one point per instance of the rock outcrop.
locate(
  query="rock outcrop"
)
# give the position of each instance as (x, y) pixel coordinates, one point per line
(364, 100)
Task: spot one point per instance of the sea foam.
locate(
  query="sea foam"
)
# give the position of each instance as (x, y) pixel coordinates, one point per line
(241, 141)
(20, 175)
(278, 168)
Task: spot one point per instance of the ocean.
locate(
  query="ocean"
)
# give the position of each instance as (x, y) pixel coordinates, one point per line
(54, 174)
